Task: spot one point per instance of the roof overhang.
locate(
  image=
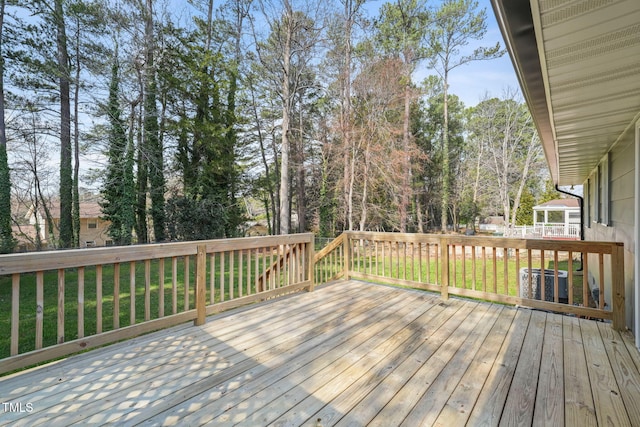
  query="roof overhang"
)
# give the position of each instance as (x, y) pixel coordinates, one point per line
(578, 64)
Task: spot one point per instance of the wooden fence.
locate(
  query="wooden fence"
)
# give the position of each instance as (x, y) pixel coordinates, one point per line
(575, 277)
(63, 302)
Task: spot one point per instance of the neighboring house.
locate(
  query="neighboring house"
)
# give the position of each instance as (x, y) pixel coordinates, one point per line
(578, 63)
(93, 229)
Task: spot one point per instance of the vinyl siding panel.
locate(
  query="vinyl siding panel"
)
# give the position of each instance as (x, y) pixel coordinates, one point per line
(621, 215)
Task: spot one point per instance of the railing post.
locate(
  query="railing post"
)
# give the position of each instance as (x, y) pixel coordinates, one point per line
(444, 268)
(310, 264)
(347, 254)
(201, 286)
(617, 272)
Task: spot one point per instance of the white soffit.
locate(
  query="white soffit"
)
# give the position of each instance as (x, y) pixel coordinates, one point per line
(590, 62)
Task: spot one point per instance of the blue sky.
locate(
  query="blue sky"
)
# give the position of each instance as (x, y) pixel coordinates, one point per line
(472, 81)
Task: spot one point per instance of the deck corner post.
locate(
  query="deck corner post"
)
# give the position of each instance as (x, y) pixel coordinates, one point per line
(347, 254)
(201, 286)
(310, 262)
(444, 268)
(617, 271)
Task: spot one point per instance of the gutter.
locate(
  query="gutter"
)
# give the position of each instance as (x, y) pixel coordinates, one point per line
(581, 204)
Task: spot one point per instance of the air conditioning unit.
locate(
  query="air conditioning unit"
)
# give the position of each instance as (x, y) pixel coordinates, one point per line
(549, 278)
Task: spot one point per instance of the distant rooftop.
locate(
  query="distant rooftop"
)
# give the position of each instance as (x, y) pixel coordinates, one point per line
(559, 203)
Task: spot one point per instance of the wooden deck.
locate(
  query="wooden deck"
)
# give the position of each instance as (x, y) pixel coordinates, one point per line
(350, 353)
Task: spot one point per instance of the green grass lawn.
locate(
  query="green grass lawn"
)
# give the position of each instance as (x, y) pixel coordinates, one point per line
(486, 277)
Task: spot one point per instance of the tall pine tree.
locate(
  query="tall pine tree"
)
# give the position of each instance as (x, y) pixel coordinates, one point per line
(6, 238)
(119, 191)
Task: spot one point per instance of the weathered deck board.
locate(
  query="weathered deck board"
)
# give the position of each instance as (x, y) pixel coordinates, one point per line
(549, 409)
(350, 353)
(578, 400)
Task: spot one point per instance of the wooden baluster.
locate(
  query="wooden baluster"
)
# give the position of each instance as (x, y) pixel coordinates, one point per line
(543, 279)
(187, 262)
(116, 296)
(370, 257)
(80, 302)
(530, 277)
(257, 269)
(99, 299)
(132, 293)
(494, 252)
(585, 279)
(384, 259)
(420, 262)
(174, 284)
(240, 275)
(444, 251)
(232, 274)
(464, 266)
(249, 271)
(222, 271)
(601, 268)
(454, 280)
(397, 259)
(279, 257)
(404, 260)
(161, 287)
(413, 250)
(377, 249)
(438, 250)
(518, 272)
(212, 279)
(556, 279)
(570, 278)
(60, 339)
(147, 289)
(15, 313)
(429, 263)
(505, 259)
(474, 271)
(39, 308)
(484, 269)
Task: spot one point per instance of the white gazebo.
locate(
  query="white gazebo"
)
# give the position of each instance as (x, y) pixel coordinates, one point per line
(555, 219)
(558, 218)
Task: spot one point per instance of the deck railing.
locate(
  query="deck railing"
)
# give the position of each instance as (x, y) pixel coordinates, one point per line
(557, 275)
(63, 302)
(544, 231)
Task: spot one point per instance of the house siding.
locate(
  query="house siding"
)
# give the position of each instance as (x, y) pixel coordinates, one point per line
(621, 218)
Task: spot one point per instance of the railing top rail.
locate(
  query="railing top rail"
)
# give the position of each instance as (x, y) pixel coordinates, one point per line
(392, 237)
(73, 258)
(330, 247)
(491, 241)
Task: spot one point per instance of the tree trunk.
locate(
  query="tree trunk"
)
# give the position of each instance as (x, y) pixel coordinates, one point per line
(406, 173)
(66, 180)
(445, 157)
(6, 237)
(365, 187)
(300, 178)
(286, 111)
(151, 137)
(419, 214)
(346, 116)
(76, 144)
